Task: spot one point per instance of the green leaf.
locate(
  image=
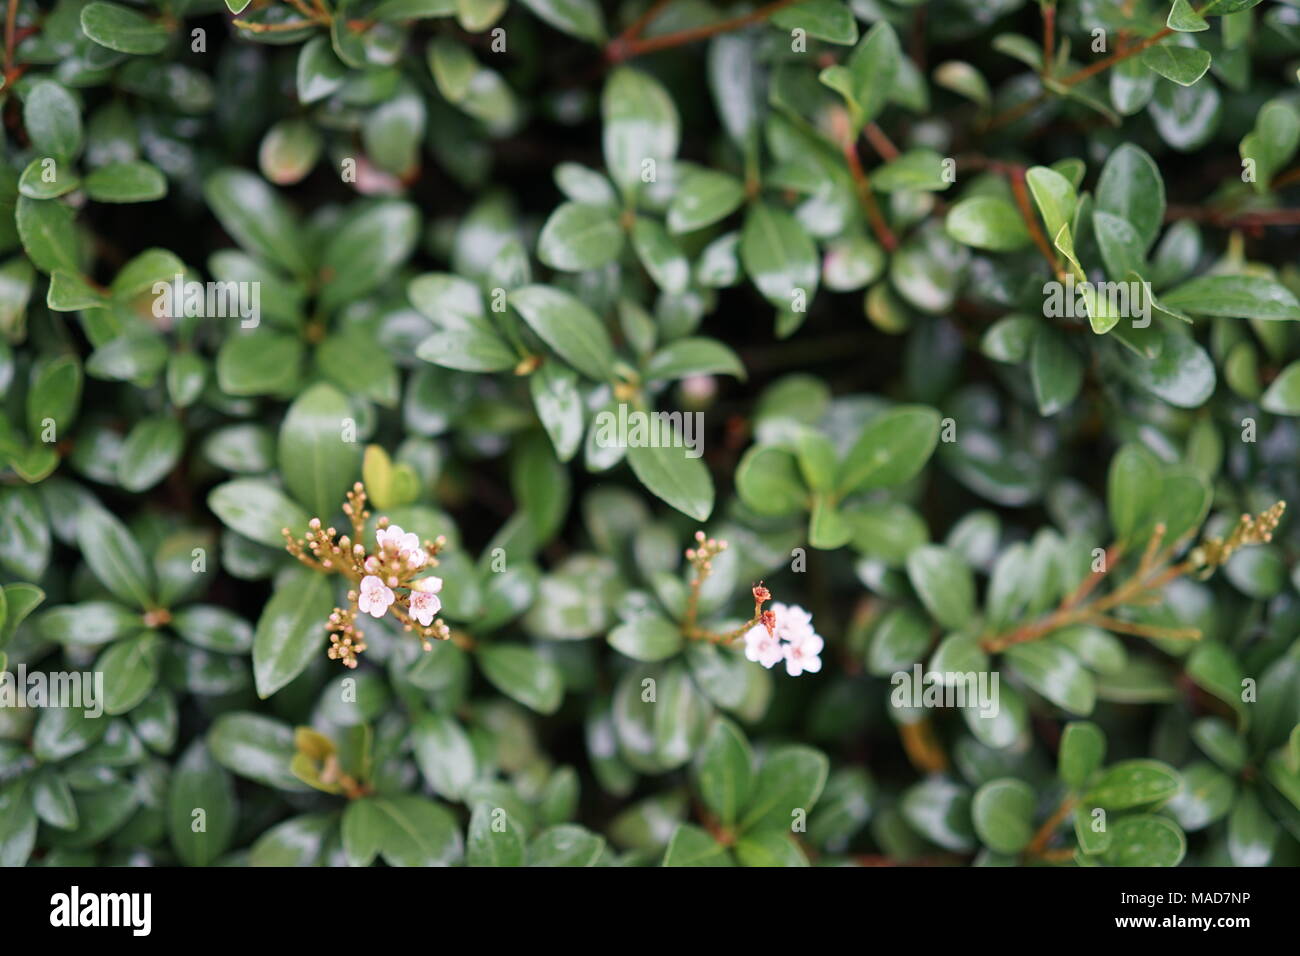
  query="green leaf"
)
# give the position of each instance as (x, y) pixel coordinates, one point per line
(779, 256)
(579, 18)
(647, 637)
(19, 599)
(770, 848)
(18, 823)
(52, 799)
(1122, 249)
(54, 396)
(567, 326)
(24, 533)
(1083, 747)
(521, 673)
(48, 234)
(257, 510)
(1183, 65)
(406, 830)
(1283, 395)
(150, 451)
(827, 20)
(1132, 189)
(1214, 668)
(1133, 783)
(873, 68)
(264, 362)
(1132, 488)
(1055, 370)
(916, 169)
(1145, 840)
(559, 405)
(1003, 813)
(257, 747)
(641, 128)
(659, 253)
(366, 250)
(63, 731)
(52, 118)
(672, 475)
(1056, 674)
(201, 808)
(495, 839)
(900, 640)
(940, 811)
(130, 669)
(691, 846)
(787, 787)
(892, 449)
(1184, 19)
(580, 236)
(987, 222)
(945, 585)
(257, 218)
(1207, 796)
(768, 480)
(694, 356)
(565, 845)
(318, 464)
(122, 29)
(723, 771)
(1272, 142)
(706, 196)
(444, 754)
(319, 71)
(475, 348)
(126, 183)
(298, 841)
(114, 556)
(1234, 296)
(1054, 195)
(291, 629)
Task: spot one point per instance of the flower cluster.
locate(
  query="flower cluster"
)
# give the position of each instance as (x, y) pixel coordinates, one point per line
(390, 579)
(786, 633)
(1214, 552)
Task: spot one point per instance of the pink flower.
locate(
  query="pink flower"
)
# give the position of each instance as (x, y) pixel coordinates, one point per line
(801, 655)
(405, 543)
(424, 606)
(761, 646)
(375, 596)
(793, 623)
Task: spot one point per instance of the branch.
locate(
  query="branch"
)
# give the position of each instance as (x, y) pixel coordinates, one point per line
(1017, 176)
(881, 143)
(1078, 76)
(11, 21)
(621, 49)
(863, 185)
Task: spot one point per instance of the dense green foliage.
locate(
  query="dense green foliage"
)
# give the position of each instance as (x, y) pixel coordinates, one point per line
(973, 324)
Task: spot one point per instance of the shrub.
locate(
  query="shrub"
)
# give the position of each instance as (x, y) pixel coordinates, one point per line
(649, 432)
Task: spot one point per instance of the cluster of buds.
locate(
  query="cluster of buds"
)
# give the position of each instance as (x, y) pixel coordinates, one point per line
(701, 556)
(1213, 553)
(389, 579)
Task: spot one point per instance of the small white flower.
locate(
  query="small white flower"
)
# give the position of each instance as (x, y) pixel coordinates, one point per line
(801, 655)
(793, 623)
(393, 536)
(424, 606)
(429, 585)
(761, 646)
(375, 596)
